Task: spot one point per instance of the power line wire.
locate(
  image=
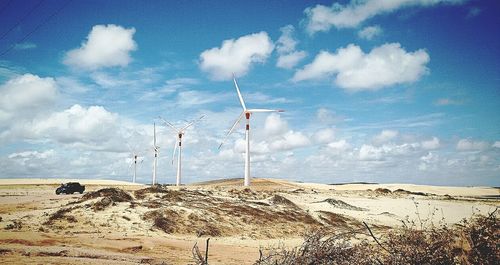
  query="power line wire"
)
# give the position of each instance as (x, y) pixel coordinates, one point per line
(66, 3)
(22, 19)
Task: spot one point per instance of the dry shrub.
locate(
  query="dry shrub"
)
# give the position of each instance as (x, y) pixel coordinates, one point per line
(142, 193)
(208, 230)
(473, 242)
(164, 220)
(277, 199)
(338, 220)
(61, 215)
(116, 195)
(383, 190)
(16, 225)
(4, 251)
(342, 205)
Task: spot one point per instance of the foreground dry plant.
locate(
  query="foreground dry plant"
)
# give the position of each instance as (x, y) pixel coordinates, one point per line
(474, 241)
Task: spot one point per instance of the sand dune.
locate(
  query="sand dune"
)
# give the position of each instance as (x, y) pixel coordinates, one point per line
(117, 222)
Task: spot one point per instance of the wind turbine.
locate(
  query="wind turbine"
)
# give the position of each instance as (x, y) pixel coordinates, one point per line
(156, 150)
(247, 113)
(135, 155)
(180, 133)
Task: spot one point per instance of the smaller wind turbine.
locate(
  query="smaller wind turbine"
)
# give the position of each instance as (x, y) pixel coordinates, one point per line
(156, 150)
(135, 156)
(180, 133)
(247, 113)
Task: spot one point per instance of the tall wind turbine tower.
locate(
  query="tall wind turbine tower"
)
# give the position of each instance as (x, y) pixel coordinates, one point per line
(247, 113)
(156, 150)
(135, 156)
(180, 133)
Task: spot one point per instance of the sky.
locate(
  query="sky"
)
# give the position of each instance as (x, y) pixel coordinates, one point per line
(401, 91)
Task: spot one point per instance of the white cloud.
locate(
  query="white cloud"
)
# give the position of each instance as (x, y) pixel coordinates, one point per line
(274, 125)
(338, 147)
(447, 101)
(325, 135)
(78, 124)
(431, 144)
(370, 32)
(496, 144)
(290, 60)
(26, 95)
(236, 56)
(106, 46)
(288, 56)
(322, 18)
(385, 136)
(471, 145)
(25, 46)
(384, 66)
(370, 152)
(191, 98)
(290, 140)
(32, 154)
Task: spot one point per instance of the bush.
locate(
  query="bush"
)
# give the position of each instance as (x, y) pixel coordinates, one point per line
(475, 241)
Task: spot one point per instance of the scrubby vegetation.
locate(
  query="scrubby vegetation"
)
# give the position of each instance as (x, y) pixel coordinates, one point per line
(474, 241)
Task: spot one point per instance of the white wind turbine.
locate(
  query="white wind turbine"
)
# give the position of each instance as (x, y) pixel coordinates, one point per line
(247, 113)
(156, 150)
(180, 133)
(135, 156)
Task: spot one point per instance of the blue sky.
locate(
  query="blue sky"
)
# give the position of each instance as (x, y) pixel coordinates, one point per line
(378, 91)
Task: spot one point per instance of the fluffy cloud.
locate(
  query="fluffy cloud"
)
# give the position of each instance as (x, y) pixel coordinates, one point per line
(496, 144)
(370, 32)
(236, 56)
(322, 18)
(431, 144)
(288, 56)
(338, 147)
(326, 135)
(274, 125)
(385, 136)
(106, 46)
(78, 124)
(369, 153)
(471, 145)
(384, 66)
(289, 141)
(26, 95)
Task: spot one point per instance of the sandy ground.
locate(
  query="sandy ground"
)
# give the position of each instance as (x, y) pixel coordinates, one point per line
(163, 226)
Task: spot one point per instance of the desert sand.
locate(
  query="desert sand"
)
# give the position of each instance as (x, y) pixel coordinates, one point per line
(115, 222)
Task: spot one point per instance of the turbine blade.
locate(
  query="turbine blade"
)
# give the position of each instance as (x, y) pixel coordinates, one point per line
(129, 148)
(232, 128)
(265, 110)
(175, 149)
(239, 94)
(192, 122)
(168, 124)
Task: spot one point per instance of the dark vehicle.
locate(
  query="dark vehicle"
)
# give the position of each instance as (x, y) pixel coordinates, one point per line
(70, 188)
